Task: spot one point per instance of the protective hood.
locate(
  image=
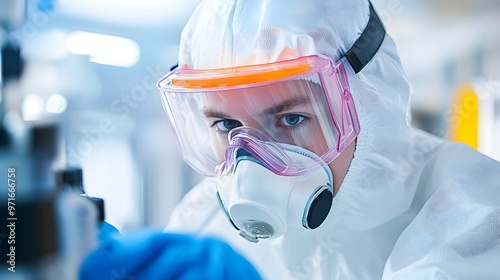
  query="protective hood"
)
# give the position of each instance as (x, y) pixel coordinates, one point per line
(230, 33)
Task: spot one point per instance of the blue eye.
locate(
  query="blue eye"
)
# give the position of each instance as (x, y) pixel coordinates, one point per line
(226, 124)
(291, 119)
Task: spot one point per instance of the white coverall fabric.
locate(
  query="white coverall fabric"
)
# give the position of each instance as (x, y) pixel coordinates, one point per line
(411, 206)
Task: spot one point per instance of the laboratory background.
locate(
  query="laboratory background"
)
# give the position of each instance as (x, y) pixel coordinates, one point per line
(89, 69)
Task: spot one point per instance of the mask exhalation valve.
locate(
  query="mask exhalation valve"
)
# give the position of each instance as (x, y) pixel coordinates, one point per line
(255, 230)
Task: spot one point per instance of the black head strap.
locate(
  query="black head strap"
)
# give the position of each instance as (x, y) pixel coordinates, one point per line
(174, 66)
(367, 45)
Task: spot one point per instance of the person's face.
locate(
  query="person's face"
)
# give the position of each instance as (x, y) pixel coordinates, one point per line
(287, 112)
(292, 113)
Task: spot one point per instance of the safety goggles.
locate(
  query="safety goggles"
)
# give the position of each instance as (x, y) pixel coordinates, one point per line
(264, 111)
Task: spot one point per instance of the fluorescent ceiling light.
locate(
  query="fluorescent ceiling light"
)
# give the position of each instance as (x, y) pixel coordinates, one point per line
(145, 13)
(32, 108)
(104, 49)
(56, 104)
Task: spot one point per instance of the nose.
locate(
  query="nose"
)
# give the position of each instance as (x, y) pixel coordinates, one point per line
(254, 124)
(269, 130)
(250, 133)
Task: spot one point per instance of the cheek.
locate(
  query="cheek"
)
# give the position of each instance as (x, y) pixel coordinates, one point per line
(340, 165)
(219, 145)
(310, 138)
(317, 143)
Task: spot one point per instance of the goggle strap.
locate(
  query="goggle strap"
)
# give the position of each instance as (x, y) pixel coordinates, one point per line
(367, 45)
(174, 66)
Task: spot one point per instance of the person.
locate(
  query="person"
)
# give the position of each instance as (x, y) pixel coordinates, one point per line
(298, 113)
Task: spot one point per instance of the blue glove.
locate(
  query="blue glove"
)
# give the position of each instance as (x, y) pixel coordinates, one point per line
(107, 231)
(155, 255)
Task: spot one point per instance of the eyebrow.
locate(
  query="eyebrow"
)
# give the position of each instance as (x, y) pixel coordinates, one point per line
(280, 107)
(286, 105)
(211, 113)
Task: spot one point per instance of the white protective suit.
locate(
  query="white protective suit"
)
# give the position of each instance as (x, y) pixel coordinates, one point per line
(411, 206)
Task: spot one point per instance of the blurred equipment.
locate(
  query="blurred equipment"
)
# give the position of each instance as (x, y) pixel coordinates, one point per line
(70, 180)
(12, 12)
(26, 154)
(488, 92)
(475, 117)
(29, 243)
(78, 221)
(464, 120)
(36, 219)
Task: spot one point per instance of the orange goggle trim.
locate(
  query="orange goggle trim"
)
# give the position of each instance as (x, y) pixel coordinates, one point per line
(243, 75)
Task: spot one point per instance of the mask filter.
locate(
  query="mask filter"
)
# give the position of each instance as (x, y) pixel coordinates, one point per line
(263, 205)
